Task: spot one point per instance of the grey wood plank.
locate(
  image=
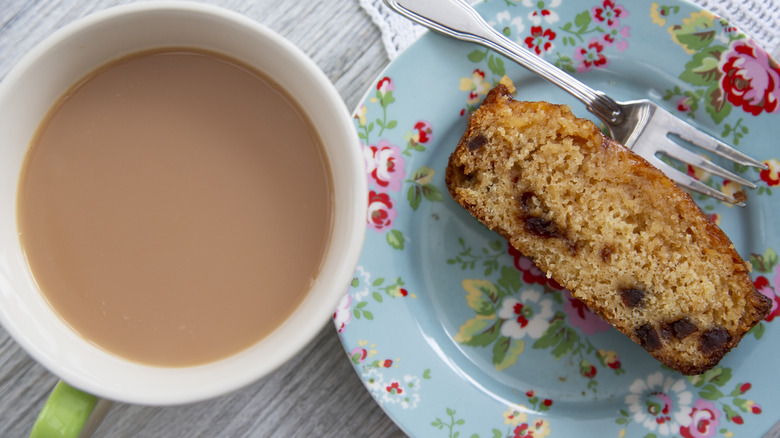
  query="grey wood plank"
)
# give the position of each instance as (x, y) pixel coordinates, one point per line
(315, 395)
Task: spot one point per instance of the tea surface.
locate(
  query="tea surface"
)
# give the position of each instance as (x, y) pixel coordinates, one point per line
(175, 207)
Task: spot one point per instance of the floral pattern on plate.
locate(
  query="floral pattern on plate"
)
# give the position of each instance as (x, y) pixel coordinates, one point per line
(455, 333)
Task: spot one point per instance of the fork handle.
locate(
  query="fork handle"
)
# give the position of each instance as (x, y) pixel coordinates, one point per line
(456, 18)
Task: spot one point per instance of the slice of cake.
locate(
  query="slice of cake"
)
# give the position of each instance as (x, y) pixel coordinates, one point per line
(611, 228)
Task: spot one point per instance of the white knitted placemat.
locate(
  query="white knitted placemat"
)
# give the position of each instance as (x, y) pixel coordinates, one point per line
(759, 19)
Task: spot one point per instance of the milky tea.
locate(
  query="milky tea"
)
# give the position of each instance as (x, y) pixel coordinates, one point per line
(175, 206)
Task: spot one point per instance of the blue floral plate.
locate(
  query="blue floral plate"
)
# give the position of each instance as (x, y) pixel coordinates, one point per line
(457, 335)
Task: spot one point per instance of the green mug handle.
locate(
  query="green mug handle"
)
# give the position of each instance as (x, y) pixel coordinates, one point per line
(69, 413)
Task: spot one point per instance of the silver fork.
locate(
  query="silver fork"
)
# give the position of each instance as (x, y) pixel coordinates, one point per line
(640, 125)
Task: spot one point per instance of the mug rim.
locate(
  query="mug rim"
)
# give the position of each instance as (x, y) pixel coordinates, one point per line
(175, 385)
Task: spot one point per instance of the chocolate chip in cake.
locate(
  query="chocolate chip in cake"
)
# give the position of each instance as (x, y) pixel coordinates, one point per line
(541, 227)
(714, 339)
(648, 337)
(632, 297)
(477, 142)
(679, 329)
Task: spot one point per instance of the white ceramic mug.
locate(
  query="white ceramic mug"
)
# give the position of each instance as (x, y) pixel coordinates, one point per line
(37, 82)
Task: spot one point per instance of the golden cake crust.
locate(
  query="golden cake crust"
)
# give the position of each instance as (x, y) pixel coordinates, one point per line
(607, 225)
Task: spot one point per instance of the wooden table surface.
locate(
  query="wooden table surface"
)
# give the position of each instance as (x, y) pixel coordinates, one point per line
(317, 394)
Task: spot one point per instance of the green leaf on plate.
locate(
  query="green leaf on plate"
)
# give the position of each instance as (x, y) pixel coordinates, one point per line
(710, 392)
(479, 332)
(730, 412)
(423, 175)
(511, 279)
(387, 99)
(477, 55)
(765, 262)
(582, 20)
(482, 296)
(758, 330)
(696, 32)
(473, 327)
(558, 336)
(395, 239)
(702, 69)
(740, 403)
(715, 103)
(718, 376)
(432, 193)
(496, 65)
(506, 351)
(414, 195)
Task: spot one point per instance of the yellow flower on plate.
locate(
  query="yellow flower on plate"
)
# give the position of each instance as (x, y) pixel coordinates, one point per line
(732, 189)
(697, 173)
(360, 115)
(541, 428)
(475, 83)
(515, 415)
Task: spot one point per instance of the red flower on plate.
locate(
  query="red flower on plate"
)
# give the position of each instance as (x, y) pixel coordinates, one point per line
(591, 56)
(380, 210)
(771, 175)
(750, 79)
(705, 418)
(540, 40)
(423, 132)
(762, 285)
(609, 13)
(531, 273)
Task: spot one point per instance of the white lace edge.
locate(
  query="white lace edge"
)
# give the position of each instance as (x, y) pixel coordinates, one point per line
(759, 19)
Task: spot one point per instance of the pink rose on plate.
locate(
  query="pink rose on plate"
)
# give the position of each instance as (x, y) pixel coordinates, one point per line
(750, 79)
(705, 418)
(581, 316)
(591, 56)
(380, 210)
(384, 165)
(618, 37)
(776, 279)
(384, 86)
(423, 132)
(609, 13)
